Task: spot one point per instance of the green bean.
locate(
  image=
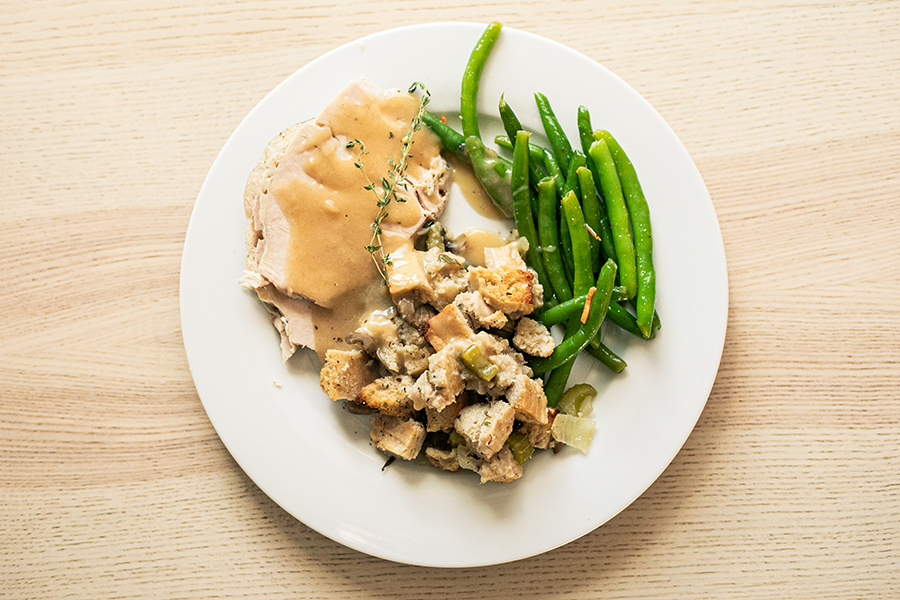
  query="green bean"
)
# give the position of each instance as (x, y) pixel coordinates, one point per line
(583, 273)
(617, 314)
(553, 169)
(522, 200)
(502, 166)
(561, 155)
(492, 173)
(565, 238)
(606, 356)
(563, 311)
(476, 361)
(489, 172)
(556, 314)
(618, 214)
(468, 100)
(562, 149)
(643, 236)
(591, 204)
(556, 382)
(571, 346)
(535, 172)
(565, 246)
(571, 309)
(451, 140)
(585, 131)
(586, 134)
(511, 124)
(548, 235)
(623, 319)
(535, 152)
(577, 161)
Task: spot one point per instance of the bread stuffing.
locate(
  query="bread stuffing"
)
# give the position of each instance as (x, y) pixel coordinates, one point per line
(452, 387)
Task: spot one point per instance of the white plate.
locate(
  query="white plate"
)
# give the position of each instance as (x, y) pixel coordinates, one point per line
(315, 460)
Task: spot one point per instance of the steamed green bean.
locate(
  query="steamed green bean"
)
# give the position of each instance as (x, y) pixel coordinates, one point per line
(639, 213)
(618, 214)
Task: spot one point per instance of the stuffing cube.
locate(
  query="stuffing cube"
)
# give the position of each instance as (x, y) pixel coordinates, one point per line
(485, 426)
(502, 468)
(389, 395)
(398, 437)
(345, 373)
(446, 326)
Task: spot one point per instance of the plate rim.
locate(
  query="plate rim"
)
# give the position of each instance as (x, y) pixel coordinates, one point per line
(184, 286)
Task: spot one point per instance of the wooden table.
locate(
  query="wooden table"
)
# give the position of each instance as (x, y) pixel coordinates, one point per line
(114, 484)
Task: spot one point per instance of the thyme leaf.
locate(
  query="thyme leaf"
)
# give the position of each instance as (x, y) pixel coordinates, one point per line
(396, 177)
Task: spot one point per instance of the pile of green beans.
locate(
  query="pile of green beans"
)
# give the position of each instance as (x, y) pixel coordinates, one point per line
(582, 211)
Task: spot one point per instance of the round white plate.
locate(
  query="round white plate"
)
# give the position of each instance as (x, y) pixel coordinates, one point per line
(315, 460)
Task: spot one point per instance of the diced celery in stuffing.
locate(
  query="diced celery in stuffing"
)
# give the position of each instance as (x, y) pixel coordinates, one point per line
(577, 400)
(520, 446)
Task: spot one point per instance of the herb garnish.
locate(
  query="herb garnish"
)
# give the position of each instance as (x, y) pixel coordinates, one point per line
(396, 176)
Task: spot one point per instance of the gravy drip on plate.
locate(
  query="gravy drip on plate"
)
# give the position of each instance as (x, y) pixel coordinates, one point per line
(333, 325)
(471, 189)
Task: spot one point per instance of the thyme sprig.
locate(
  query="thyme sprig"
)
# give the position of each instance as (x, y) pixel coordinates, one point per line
(396, 178)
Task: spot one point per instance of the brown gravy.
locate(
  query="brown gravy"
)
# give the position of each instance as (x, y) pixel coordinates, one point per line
(333, 325)
(330, 214)
(471, 189)
(471, 244)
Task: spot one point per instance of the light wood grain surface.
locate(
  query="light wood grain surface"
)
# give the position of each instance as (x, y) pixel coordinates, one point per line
(113, 484)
